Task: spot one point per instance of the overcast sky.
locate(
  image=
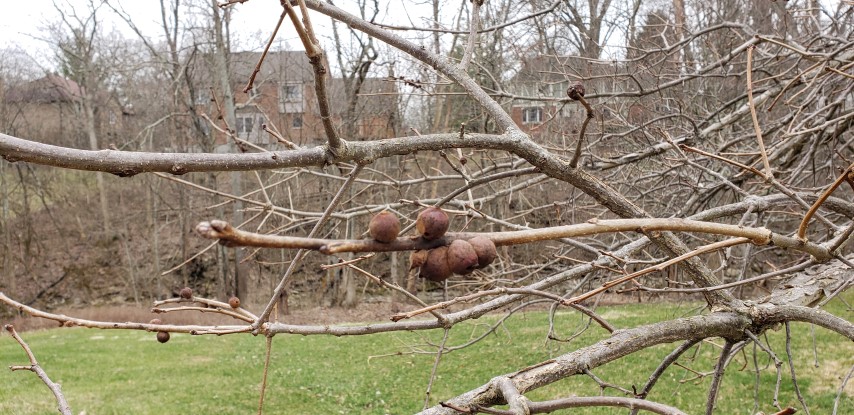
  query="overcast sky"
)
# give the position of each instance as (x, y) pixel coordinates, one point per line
(22, 23)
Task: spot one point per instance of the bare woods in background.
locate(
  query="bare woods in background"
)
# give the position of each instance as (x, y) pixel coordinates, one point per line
(653, 150)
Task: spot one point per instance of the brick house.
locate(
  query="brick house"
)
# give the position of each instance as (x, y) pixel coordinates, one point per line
(546, 79)
(48, 110)
(284, 96)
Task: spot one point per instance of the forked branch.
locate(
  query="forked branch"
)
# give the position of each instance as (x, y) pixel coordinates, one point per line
(34, 367)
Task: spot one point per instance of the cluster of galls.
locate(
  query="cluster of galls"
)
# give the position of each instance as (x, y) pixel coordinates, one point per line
(460, 257)
(437, 264)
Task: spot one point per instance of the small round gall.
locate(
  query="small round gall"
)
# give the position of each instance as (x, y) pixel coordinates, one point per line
(436, 267)
(384, 227)
(485, 249)
(234, 302)
(462, 258)
(575, 92)
(432, 223)
(186, 293)
(163, 336)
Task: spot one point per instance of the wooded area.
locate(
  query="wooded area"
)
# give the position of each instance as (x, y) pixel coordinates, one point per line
(610, 150)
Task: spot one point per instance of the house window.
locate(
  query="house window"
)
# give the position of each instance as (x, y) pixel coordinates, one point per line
(290, 98)
(112, 118)
(254, 92)
(296, 121)
(291, 93)
(532, 115)
(244, 124)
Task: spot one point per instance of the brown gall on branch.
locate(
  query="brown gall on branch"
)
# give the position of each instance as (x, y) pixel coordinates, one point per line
(34, 367)
(230, 236)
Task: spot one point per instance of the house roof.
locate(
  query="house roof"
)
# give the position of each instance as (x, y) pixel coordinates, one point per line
(292, 66)
(278, 66)
(48, 89)
(377, 96)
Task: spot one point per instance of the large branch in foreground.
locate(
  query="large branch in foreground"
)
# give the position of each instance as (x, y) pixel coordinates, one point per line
(547, 407)
(625, 342)
(129, 163)
(228, 235)
(620, 344)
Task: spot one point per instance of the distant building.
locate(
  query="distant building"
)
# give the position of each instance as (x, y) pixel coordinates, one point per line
(284, 96)
(48, 110)
(547, 114)
(543, 80)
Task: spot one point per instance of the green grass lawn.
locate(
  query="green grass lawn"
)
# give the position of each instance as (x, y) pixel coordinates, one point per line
(119, 372)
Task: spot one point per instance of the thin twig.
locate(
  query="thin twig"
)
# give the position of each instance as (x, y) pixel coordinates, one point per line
(315, 57)
(473, 28)
(656, 374)
(433, 371)
(718, 376)
(659, 267)
(333, 204)
(34, 367)
(841, 390)
(502, 291)
(257, 69)
(792, 370)
(802, 228)
(604, 385)
(768, 173)
(109, 325)
(399, 289)
(577, 156)
(777, 365)
(342, 263)
(267, 349)
(724, 159)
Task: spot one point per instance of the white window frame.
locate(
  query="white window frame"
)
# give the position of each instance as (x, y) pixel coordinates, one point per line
(287, 97)
(240, 124)
(291, 98)
(526, 111)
